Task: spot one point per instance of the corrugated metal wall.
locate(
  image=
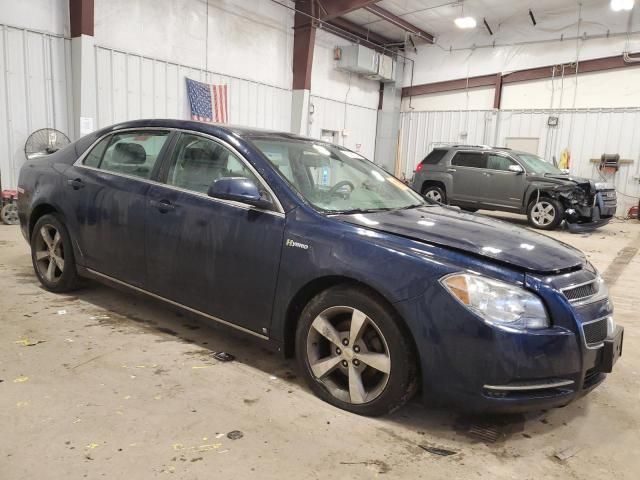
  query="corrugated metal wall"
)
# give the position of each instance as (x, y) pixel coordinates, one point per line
(587, 133)
(360, 123)
(131, 86)
(35, 92)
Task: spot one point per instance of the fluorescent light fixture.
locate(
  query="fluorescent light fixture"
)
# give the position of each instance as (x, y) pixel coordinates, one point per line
(618, 5)
(465, 22)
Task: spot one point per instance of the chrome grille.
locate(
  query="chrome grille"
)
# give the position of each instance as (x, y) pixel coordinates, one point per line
(595, 332)
(581, 292)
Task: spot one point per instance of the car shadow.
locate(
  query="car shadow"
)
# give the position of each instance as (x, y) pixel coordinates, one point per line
(127, 312)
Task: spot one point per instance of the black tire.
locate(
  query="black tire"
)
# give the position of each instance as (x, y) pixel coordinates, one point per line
(435, 192)
(62, 280)
(549, 221)
(400, 382)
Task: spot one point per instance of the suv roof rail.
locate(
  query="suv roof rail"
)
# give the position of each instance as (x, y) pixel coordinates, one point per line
(484, 147)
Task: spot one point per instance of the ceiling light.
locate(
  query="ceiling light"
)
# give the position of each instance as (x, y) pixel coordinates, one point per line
(618, 5)
(465, 22)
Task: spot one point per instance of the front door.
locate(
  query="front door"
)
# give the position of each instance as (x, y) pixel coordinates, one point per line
(218, 257)
(109, 188)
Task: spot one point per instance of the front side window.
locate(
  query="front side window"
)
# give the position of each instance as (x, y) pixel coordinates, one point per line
(469, 159)
(130, 153)
(498, 162)
(333, 179)
(197, 162)
(537, 166)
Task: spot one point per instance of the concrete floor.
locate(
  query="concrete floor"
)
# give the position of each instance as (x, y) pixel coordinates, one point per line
(105, 383)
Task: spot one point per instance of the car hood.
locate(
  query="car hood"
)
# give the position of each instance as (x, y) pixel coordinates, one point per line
(475, 234)
(561, 180)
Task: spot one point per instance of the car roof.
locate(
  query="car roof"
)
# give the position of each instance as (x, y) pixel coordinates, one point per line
(209, 128)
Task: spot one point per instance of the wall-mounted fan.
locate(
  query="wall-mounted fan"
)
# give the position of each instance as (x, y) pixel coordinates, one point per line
(44, 142)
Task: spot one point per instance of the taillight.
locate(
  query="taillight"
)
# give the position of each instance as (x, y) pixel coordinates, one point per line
(419, 167)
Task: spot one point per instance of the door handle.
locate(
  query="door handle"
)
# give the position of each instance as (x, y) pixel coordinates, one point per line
(451, 170)
(76, 183)
(163, 206)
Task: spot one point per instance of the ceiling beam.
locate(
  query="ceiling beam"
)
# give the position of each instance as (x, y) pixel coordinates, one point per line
(359, 32)
(399, 22)
(529, 74)
(334, 8)
(81, 17)
(450, 85)
(304, 36)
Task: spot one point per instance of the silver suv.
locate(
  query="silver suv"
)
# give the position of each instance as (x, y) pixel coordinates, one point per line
(481, 177)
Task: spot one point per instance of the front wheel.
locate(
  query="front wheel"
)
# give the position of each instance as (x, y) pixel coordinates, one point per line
(353, 353)
(545, 213)
(52, 255)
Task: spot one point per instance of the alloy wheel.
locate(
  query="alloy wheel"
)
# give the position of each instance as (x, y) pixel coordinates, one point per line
(49, 253)
(348, 354)
(434, 195)
(543, 213)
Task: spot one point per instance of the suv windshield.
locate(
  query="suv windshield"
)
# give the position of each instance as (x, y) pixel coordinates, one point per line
(334, 179)
(536, 165)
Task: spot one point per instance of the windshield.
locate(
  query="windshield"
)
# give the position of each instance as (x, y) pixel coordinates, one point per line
(334, 179)
(536, 165)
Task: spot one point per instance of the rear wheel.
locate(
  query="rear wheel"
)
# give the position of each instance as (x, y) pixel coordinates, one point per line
(52, 255)
(353, 353)
(545, 213)
(435, 193)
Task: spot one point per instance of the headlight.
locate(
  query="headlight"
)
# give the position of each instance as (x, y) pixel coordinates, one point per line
(497, 302)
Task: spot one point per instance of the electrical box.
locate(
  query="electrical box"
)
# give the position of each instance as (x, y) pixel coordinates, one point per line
(358, 59)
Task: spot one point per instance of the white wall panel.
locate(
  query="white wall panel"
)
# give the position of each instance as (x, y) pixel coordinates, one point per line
(132, 86)
(359, 122)
(586, 133)
(35, 83)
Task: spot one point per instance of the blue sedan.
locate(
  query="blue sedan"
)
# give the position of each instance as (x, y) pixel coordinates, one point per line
(378, 292)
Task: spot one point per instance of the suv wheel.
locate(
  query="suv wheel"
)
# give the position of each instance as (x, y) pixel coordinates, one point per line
(353, 354)
(545, 213)
(435, 193)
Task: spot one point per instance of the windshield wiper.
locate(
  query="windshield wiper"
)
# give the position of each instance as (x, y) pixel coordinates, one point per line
(358, 210)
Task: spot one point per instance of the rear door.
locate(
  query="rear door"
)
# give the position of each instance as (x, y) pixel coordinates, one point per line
(503, 187)
(468, 173)
(108, 188)
(215, 256)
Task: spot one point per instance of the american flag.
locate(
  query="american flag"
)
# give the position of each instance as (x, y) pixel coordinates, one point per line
(208, 102)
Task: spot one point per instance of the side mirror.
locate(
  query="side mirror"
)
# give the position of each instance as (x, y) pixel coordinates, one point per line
(516, 169)
(239, 189)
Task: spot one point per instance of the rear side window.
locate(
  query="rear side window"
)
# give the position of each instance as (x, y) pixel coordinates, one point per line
(469, 159)
(434, 157)
(95, 155)
(130, 153)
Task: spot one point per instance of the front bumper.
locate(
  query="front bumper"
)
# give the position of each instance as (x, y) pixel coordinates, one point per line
(586, 219)
(481, 368)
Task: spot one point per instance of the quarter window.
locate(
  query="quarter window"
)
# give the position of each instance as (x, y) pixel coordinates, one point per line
(197, 162)
(130, 153)
(469, 159)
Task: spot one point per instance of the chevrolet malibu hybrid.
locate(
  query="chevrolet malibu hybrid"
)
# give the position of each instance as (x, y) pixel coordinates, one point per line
(378, 292)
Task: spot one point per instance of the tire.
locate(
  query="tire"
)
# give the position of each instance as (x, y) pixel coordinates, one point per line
(52, 258)
(545, 213)
(9, 214)
(332, 367)
(436, 193)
